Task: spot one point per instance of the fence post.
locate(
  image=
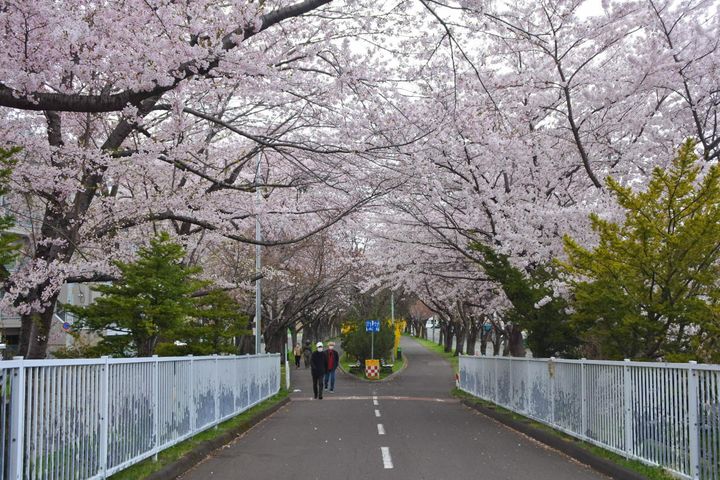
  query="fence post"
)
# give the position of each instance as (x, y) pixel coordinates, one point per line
(191, 386)
(104, 415)
(551, 373)
(217, 389)
(156, 406)
(583, 399)
(495, 362)
(693, 424)
(287, 371)
(627, 404)
(527, 386)
(17, 421)
(511, 390)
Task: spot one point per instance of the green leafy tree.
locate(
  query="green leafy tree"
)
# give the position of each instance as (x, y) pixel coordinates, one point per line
(534, 307)
(217, 321)
(151, 300)
(358, 343)
(369, 306)
(9, 242)
(650, 288)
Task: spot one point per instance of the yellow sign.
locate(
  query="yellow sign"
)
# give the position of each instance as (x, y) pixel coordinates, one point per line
(399, 329)
(372, 369)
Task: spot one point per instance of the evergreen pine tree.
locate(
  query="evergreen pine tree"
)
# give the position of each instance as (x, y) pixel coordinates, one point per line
(650, 288)
(217, 321)
(152, 300)
(535, 308)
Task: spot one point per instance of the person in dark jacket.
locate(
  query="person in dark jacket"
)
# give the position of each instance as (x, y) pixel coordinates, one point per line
(318, 366)
(333, 358)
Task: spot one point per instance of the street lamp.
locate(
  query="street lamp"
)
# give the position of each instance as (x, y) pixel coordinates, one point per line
(258, 262)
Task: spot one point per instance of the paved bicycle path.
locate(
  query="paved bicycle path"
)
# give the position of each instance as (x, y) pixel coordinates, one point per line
(421, 433)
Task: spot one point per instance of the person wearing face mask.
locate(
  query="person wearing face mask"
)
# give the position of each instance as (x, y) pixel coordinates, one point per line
(297, 352)
(318, 367)
(333, 358)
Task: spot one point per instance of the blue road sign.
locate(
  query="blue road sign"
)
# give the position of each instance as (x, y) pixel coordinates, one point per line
(372, 326)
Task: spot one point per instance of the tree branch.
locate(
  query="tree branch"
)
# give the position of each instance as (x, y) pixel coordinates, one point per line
(63, 102)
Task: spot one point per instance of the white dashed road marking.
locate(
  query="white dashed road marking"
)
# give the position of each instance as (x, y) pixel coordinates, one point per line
(381, 429)
(375, 400)
(377, 412)
(387, 459)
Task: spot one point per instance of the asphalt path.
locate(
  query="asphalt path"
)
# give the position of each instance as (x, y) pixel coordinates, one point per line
(406, 427)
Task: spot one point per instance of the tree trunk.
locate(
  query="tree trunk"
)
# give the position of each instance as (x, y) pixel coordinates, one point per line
(484, 339)
(459, 341)
(497, 340)
(146, 346)
(294, 335)
(514, 345)
(448, 338)
(35, 333)
(471, 340)
(246, 344)
(273, 341)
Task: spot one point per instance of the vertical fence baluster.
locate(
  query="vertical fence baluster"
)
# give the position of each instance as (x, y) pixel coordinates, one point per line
(156, 407)
(551, 375)
(217, 388)
(192, 396)
(527, 386)
(104, 416)
(627, 407)
(17, 419)
(583, 400)
(693, 421)
(495, 362)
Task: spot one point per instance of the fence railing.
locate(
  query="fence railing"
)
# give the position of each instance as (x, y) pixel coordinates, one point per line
(665, 414)
(90, 418)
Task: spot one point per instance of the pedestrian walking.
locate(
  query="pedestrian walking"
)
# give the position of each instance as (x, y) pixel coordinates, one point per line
(318, 366)
(307, 351)
(297, 351)
(332, 359)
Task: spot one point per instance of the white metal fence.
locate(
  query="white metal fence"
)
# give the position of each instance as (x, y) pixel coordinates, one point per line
(665, 414)
(89, 418)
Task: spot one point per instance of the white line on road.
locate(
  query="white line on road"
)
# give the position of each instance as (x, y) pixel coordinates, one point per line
(375, 401)
(381, 429)
(377, 412)
(387, 459)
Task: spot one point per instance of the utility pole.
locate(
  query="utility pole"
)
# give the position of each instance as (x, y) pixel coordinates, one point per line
(392, 306)
(392, 317)
(258, 262)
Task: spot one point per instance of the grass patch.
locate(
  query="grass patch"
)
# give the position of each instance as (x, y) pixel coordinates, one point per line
(652, 473)
(143, 469)
(346, 361)
(434, 347)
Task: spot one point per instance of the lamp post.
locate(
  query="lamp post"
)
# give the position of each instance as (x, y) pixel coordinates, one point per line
(392, 317)
(258, 262)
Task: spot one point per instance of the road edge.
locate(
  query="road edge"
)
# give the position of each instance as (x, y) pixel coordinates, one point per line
(202, 450)
(602, 465)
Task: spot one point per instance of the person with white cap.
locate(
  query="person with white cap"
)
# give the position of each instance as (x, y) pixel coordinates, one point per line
(318, 366)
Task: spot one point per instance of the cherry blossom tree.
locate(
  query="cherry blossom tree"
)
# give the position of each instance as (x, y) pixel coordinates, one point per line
(143, 113)
(431, 124)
